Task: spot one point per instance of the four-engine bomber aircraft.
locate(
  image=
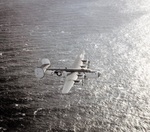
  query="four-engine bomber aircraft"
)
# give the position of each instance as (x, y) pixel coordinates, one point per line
(78, 72)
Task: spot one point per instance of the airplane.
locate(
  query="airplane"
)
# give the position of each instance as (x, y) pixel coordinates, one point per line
(74, 75)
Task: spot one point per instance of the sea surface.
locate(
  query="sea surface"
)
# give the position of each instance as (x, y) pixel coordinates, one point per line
(116, 37)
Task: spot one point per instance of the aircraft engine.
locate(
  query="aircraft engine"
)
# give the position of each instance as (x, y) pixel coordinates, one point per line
(83, 66)
(39, 72)
(84, 61)
(76, 82)
(81, 76)
(86, 64)
(92, 75)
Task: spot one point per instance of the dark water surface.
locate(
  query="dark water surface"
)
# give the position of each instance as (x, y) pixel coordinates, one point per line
(116, 38)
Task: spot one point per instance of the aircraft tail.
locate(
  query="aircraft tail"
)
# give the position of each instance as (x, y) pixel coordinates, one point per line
(39, 71)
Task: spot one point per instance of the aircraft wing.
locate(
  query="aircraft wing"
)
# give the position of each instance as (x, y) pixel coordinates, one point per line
(69, 82)
(71, 77)
(78, 62)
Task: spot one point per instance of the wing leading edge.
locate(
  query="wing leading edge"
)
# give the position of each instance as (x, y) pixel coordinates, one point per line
(69, 82)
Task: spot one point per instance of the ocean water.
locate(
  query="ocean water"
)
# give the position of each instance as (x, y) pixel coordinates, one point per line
(115, 36)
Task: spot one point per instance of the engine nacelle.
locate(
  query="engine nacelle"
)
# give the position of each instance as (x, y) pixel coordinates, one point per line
(83, 66)
(39, 72)
(86, 63)
(92, 75)
(76, 82)
(81, 76)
